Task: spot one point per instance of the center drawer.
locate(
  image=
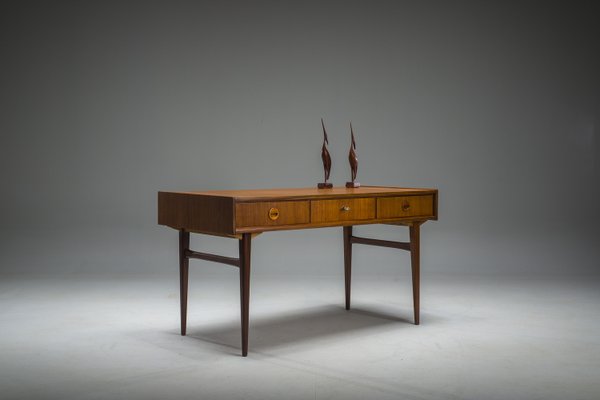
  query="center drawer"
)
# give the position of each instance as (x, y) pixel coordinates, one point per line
(342, 210)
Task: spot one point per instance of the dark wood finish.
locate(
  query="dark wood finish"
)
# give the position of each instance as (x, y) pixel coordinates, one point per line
(184, 244)
(213, 257)
(325, 185)
(244, 213)
(347, 263)
(257, 214)
(342, 210)
(326, 157)
(405, 206)
(415, 266)
(184, 262)
(245, 243)
(353, 158)
(381, 243)
(209, 214)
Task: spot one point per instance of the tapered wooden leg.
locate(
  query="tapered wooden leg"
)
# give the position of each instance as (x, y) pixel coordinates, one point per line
(245, 244)
(414, 261)
(184, 262)
(347, 263)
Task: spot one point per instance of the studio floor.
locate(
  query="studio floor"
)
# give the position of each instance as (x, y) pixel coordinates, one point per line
(481, 337)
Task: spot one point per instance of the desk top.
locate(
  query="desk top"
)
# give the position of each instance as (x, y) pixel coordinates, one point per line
(309, 193)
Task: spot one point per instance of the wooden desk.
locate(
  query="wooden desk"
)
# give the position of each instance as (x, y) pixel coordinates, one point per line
(242, 214)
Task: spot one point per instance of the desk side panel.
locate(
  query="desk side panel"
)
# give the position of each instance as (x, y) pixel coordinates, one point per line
(435, 206)
(196, 213)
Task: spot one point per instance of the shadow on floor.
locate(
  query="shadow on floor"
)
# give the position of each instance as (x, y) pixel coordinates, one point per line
(298, 327)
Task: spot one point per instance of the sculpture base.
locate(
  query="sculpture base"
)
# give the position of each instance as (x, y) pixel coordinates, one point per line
(352, 184)
(325, 185)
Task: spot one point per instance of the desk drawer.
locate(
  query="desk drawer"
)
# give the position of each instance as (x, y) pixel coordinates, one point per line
(272, 213)
(342, 210)
(405, 206)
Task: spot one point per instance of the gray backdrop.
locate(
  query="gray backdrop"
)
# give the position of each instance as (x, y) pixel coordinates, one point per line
(104, 103)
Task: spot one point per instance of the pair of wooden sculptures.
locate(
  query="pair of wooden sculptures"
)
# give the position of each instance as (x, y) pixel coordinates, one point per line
(327, 161)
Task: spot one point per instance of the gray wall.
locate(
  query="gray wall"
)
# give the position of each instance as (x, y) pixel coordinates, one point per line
(105, 103)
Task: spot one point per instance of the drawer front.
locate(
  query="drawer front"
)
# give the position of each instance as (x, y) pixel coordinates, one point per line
(405, 206)
(272, 213)
(342, 210)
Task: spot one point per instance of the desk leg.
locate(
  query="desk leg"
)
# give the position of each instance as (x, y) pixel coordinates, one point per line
(245, 287)
(184, 262)
(414, 261)
(347, 262)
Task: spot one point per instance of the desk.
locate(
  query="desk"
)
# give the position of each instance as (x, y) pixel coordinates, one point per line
(243, 214)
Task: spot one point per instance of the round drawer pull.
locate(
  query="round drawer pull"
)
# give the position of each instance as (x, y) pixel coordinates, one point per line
(405, 206)
(273, 214)
(345, 208)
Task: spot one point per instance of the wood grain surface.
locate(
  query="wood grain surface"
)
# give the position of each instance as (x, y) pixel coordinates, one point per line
(342, 210)
(405, 206)
(234, 212)
(257, 214)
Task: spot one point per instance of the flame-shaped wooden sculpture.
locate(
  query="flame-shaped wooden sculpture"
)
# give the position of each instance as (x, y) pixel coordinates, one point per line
(326, 157)
(353, 161)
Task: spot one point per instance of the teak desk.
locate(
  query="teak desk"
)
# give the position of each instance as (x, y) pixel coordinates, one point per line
(242, 214)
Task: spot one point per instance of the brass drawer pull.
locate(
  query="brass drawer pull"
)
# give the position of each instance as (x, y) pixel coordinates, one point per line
(345, 208)
(273, 214)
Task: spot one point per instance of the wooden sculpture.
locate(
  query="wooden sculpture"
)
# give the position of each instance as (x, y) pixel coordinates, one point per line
(326, 157)
(353, 161)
